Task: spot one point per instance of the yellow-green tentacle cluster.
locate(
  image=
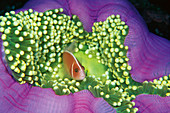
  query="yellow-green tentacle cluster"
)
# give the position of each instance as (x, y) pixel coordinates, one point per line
(110, 36)
(159, 86)
(34, 43)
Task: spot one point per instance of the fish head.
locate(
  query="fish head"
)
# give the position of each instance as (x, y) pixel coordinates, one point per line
(73, 66)
(77, 71)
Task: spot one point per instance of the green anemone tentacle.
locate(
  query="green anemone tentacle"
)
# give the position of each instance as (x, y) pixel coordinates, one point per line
(33, 46)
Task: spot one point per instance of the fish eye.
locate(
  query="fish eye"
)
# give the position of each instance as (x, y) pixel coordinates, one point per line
(76, 70)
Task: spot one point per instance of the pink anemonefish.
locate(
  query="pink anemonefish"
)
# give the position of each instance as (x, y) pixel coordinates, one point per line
(73, 67)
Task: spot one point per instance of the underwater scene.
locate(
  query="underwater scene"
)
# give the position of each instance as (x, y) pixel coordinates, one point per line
(81, 56)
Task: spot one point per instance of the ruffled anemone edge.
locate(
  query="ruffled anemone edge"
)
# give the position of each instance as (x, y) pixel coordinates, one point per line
(152, 103)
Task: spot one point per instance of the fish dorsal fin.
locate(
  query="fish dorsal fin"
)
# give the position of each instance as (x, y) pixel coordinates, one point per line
(71, 47)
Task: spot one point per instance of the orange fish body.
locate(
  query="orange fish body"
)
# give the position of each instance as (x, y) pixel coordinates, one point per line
(73, 66)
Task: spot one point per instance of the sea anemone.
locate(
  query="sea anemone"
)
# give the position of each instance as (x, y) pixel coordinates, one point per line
(106, 45)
